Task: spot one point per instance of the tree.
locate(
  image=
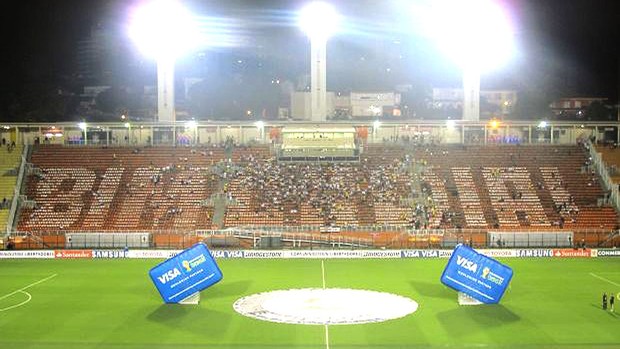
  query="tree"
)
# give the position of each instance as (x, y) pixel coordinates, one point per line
(597, 111)
(534, 104)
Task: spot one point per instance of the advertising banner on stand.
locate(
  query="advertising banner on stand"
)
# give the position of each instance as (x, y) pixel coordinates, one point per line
(185, 274)
(476, 275)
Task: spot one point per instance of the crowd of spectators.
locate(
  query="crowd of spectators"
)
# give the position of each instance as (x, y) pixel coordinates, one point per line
(10, 146)
(327, 187)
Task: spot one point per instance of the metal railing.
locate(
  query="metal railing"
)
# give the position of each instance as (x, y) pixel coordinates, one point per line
(601, 168)
(17, 190)
(345, 239)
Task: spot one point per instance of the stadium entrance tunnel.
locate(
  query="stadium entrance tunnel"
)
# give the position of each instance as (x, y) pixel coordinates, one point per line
(331, 306)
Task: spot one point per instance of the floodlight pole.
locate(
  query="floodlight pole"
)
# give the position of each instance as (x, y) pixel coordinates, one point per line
(165, 89)
(471, 93)
(318, 79)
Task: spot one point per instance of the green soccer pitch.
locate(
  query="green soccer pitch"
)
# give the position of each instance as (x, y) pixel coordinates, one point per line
(551, 303)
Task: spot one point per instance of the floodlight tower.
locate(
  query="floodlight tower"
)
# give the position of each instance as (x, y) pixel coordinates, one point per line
(477, 34)
(319, 20)
(163, 29)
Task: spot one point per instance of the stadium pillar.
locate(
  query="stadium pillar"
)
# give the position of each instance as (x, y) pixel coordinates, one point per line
(471, 93)
(529, 133)
(551, 136)
(463, 134)
(595, 134)
(165, 89)
(319, 20)
(318, 79)
(485, 134)
(129, 133)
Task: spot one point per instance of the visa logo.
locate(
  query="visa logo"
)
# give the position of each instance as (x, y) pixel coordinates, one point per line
(169, 275)
(411, 254)
(467, 264)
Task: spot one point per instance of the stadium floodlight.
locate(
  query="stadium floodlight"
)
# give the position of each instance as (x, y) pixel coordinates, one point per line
(164, 30)
(191, 125)
(375, 125)
(319, 20)
(542, 124)
(450, 124)
(82, 126)
(476, 34)
(127, 125)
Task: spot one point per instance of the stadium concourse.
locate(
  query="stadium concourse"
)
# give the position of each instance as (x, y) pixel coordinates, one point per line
(393, 188)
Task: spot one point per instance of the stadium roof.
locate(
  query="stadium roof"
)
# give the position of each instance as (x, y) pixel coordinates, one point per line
(319, 129)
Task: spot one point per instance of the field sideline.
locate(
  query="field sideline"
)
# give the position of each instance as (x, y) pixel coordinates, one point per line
(552, 303)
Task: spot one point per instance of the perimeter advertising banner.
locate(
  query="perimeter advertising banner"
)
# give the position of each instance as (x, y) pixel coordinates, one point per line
(185, 274)
(476, 275)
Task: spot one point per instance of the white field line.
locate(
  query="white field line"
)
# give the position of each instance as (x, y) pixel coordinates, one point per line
(606, 280)
(27, 287)
(326, 327)
(323, 272)
(19, 304)
(326, 337)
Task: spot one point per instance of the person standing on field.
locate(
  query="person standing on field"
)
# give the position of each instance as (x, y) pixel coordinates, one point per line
(611, 302)
(604, 301)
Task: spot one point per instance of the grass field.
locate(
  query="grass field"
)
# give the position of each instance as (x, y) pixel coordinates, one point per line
(552, 303)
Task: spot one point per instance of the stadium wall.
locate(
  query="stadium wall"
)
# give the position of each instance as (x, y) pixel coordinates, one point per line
(149, 133)
(315, 254)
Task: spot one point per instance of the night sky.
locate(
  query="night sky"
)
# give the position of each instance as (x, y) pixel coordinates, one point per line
(569, 45)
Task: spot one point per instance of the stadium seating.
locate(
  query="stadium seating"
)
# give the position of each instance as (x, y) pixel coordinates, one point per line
(9, 164)
(243, 154)
(121, 189)
(508, 187)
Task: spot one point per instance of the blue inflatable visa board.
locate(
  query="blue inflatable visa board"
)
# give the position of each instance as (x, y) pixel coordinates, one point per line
(476, 275)
(189, 272)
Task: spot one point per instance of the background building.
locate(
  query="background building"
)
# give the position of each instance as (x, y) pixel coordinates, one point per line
(492, 102)
(574, 105)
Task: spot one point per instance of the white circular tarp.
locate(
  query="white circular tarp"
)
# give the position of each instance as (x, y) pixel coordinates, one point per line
(331, 306)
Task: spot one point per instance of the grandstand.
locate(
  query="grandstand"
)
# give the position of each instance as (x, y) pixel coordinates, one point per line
(383, 187)
(9, 164)
(120, 189)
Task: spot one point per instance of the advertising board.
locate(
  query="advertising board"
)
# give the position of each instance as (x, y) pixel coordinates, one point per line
(185, 274)
(476, 275)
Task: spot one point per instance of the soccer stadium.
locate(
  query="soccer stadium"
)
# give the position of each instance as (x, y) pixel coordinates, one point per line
(386, 231)
(317, 207)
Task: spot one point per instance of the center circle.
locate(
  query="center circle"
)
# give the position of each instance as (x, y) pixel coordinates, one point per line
(331, 306)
